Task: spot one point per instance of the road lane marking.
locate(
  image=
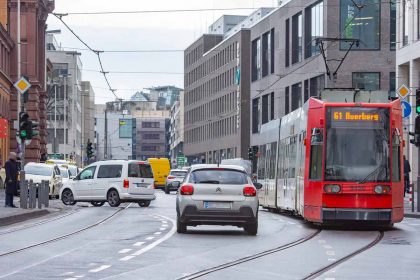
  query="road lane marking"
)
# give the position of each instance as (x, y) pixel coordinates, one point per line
(79, 276)
(138, 244)
(330, 253)
(327, 246)
(102, 267)
(150, 238)
(127, 258)
(124, 251)
(67, 273)
(162, 228)
(157, 233)
(70, 279)
(321, 241)
(332, 260)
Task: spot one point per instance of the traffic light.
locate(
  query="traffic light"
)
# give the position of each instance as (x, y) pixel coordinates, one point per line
(24, 124)
(89, 150)
(416, 133)
(250, 153)
(418, 101)
(33, 129)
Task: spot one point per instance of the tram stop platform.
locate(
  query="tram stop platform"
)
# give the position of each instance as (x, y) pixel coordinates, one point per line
(408, 210)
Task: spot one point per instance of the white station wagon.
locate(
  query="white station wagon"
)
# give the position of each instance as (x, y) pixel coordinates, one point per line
(113, 181)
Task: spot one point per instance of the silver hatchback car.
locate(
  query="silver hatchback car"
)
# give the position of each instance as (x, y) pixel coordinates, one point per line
(217, 195)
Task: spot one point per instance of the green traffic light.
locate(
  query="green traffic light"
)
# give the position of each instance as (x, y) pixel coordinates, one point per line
(418, 109)
(23, 134)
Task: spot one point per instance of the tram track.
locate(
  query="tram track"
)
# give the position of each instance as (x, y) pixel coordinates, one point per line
(226, 265)
(325, 269)
(68, 234)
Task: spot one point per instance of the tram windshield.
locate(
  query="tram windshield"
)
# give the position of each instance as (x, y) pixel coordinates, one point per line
(357, 145)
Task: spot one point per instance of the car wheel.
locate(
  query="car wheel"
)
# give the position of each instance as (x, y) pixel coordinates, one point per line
(97, 203)
(144, 203)
(167, 191)
(67, 197)
(252, 228)
(180, 226)
(113, 198)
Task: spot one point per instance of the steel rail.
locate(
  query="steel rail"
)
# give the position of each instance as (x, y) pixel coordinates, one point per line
(207, 271)
(66, 235)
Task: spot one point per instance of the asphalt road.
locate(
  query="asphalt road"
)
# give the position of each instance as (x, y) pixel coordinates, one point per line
(130, 242)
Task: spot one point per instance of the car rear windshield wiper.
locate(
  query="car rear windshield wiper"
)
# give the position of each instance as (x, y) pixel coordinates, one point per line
(209, 182)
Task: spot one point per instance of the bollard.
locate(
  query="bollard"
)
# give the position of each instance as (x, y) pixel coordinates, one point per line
(47, 193)
(24, 194)
(39, 194)
(31, 194)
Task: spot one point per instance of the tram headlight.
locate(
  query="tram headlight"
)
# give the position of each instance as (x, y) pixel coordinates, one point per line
(382, 189)
(332, 188)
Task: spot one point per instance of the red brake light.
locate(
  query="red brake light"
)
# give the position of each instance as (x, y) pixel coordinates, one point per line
(126, 184)
(187, 190)
(250, 191)
(171, 177)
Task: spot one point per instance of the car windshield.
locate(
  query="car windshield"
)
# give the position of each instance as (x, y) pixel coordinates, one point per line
(218, 176)
(139, 170)
(181, 174)
(358, 145)
(38, 170)
(64, 173)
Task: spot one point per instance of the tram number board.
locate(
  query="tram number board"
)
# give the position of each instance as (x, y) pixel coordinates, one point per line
(354, 116)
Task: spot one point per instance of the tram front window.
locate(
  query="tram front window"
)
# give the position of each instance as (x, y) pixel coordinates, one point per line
(357, 147)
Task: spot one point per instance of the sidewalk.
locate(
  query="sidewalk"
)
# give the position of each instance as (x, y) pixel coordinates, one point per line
(10, 216)
(408, 207)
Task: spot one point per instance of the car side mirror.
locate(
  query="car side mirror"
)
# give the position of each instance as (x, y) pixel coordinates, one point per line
(258, 186)
(175, 184)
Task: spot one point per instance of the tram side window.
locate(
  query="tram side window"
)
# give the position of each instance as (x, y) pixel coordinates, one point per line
(315, 171)
(396, 159)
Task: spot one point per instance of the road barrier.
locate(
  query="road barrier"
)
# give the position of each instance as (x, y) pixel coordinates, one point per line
(33, 195)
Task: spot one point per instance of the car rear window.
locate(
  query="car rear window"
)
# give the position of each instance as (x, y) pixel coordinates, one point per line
(38, 170)
(179, 173)
(218, 176)
(110, 171)
(139, 170)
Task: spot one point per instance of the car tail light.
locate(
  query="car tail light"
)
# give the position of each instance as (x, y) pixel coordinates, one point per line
(382, 189)
(250, 191)
(171, 177)
(332, 188)
(187, 190)
(126, 184)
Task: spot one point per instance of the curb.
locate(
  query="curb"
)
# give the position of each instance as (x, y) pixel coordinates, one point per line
(412, 215)
(22, 217)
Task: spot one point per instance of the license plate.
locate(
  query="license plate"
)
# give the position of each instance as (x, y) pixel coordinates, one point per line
(216, 205)
(140, 185)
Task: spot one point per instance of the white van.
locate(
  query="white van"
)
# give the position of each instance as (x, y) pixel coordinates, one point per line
(112, 181)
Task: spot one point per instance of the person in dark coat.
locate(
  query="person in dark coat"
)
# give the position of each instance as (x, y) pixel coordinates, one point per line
(407, 170)
(11, 168)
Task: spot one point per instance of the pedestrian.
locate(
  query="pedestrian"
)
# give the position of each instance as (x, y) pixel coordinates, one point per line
(407, 170)
(11, 167)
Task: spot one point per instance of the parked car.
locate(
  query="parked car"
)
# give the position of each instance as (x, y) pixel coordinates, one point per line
(112, 181)
(38, 172)
(220, 195)
(176, 175)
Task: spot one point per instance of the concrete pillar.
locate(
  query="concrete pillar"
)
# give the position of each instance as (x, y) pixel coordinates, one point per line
(414, 84)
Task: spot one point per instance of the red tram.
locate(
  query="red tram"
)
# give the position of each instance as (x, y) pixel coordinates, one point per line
(335, 163)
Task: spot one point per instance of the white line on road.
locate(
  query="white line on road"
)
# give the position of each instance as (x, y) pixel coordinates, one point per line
(331, 260)
(67, 273)
(321, 241)
(150, 238)
(127, 258)
(330, 253)
(162, 228)
(157, 233)
(138, 244)
(327, 246)
(79, 276)
(124, 251)
(102, 267)
(70, 279)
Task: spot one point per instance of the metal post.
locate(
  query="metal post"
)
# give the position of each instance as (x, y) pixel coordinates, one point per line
(19, 70)
(55, 118)
(106, 135)
(24, 194)
(65, 116)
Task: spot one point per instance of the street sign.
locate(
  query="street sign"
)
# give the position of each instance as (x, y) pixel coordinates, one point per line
(403, 91)
(180, 161)
(22, 85)
(406, 109)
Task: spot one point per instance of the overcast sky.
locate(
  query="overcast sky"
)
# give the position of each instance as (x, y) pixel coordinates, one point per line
(151, 31)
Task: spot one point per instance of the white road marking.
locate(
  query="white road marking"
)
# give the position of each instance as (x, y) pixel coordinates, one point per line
(79, 276)
(70, 279)
(321, 241)
(164, 221)
(157, 233)
(332, 260)
(124, 251)
(150, 238)
(67, 273)
(327, 246)
(138, 244)
(102, 267)
(329, 278)
(162, 228)
(330, 253)
(127, 258)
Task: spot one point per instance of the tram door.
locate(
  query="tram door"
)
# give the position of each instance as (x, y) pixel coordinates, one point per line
(270, 176)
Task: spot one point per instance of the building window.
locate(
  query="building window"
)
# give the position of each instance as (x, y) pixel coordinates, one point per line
(272, 50)
(256, 59)
(366, 81)
(405, 21)
(287, 102)
(393, 24)
(264, 110)
(392, 84)
(296, 96)
(272, 106)
(297, 38)
(266, 53)
(255, 117)
(126, 128)
(154, 136)
(305, 90)
(316, 85)
(150, 125)
(146, 148)
(362, 24)
(287, 42)
(314, 28)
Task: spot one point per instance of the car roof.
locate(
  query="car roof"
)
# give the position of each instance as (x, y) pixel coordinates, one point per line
(181, 170)
(40, 164)
(205, 166)
(117, 161)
